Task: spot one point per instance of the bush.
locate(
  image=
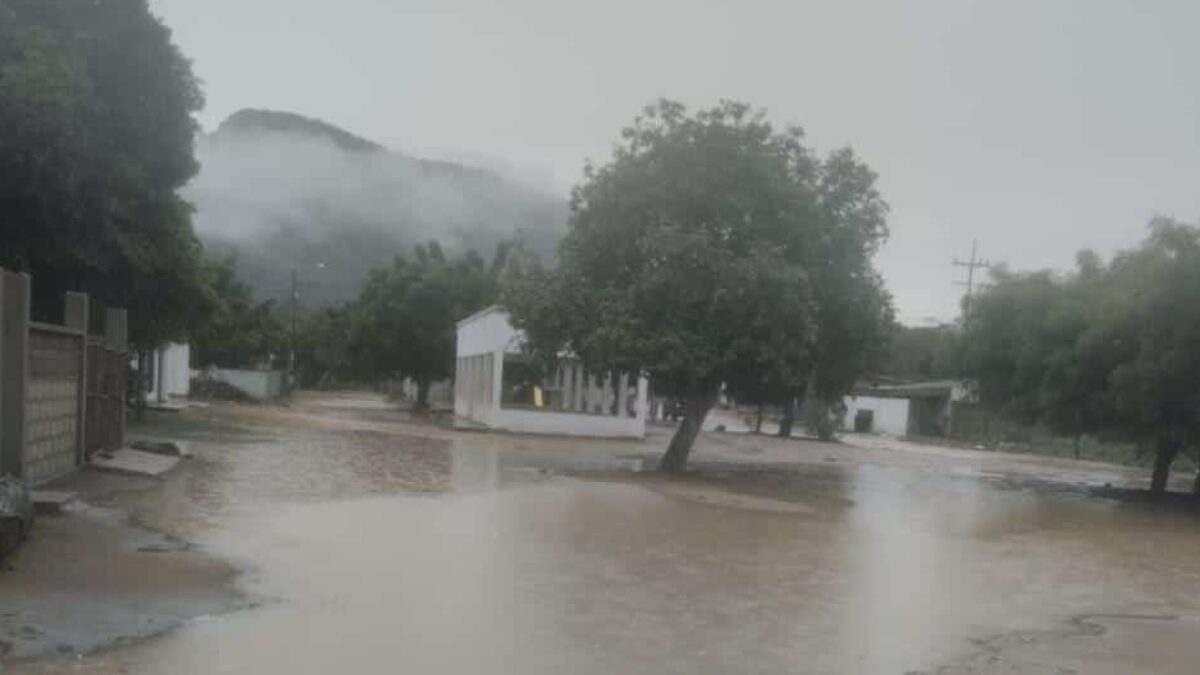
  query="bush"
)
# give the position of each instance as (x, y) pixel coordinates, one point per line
(216, 390)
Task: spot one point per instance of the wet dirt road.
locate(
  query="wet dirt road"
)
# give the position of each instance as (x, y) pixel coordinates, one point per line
(368, 551)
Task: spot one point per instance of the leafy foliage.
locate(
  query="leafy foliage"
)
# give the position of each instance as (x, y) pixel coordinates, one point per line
(922, 353)
(1111, 350)
(405, 318)
(708, 251)
(96, 135)
(325, 352)
(239, 332)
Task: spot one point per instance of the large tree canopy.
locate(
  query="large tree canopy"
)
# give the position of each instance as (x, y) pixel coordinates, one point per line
(700, 255)
(238, 331)
(96, 136)
(922, 353)
(1110, 349)
(405, 318)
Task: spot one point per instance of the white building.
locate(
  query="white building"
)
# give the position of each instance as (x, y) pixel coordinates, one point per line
(494, 387)
(875, 414)
(918, 409)
(169, 372)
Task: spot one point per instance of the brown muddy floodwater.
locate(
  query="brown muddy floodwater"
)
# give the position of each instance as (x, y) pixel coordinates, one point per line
(868, 569)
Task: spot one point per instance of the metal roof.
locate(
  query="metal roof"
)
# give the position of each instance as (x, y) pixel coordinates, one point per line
(931, 389)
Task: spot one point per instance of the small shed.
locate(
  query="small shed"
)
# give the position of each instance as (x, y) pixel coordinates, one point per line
(913, 409)
(168, 372)
(497, 387)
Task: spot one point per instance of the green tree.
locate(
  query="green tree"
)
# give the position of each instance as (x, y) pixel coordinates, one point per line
(325, 347)
(96, 137)
(1009, 340)
(239, 331)
(1155, 387)
(406, 316)
(853, 308)
(691, 256)
(1111, 350)
(1081, 352)
(922, 353)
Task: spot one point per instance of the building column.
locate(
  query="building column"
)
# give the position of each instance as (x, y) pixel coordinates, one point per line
(116, 337)
(14, 370)
(581, 385)
(567, 394)
(497, 385)
(642, 405)
(623, 395)
(76, 317)
(606, 394)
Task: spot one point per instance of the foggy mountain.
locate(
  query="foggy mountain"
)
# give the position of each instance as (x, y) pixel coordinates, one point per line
(282, 191)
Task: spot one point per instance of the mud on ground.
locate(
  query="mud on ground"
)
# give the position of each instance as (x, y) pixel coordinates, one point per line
(1010, 561)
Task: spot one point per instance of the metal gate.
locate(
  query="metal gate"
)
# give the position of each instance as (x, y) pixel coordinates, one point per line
(108, 368)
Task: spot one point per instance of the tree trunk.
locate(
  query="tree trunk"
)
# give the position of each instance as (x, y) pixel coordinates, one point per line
(789, 417)
(422, 403)
(1078, 437)
(696, 408)
(1164, 455)
(758, 419)
(822, 425)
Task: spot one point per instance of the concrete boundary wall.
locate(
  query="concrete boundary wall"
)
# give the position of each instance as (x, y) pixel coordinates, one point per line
(261, 385)
(44, 377)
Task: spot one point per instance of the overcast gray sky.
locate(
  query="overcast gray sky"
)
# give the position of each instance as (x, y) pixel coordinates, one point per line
(1036, 127)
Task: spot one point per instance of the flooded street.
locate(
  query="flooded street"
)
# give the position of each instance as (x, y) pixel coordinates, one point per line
(364, 551)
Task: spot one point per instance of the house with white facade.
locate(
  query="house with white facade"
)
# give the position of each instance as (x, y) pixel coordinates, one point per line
(916, 409)
(168, 372)
(496, 387)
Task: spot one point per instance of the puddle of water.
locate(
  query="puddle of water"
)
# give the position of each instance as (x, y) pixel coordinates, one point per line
(882, 571)
(460, 564)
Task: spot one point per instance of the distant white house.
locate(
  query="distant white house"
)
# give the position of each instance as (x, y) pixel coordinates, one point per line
(495, 387)
(917, 409)
(168, 372)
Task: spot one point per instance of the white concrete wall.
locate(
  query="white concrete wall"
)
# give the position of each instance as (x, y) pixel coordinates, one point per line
(488, 331)
(568, 424)
(891, 414)
(263, 385)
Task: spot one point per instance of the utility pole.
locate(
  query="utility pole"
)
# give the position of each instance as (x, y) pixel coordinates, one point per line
(974, 263)
(295, 309)
(291, 376)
